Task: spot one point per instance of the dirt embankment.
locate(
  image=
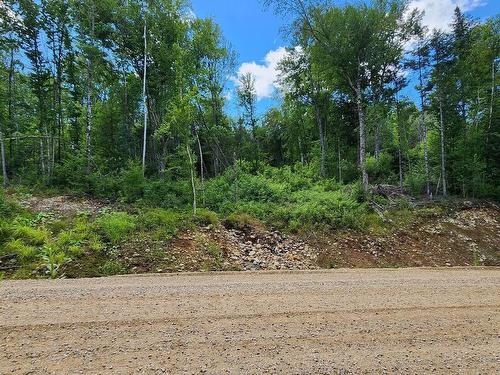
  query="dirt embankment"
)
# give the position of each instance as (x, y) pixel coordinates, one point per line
(465, 234)
(406, 321)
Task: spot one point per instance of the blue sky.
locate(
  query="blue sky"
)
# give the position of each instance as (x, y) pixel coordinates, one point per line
(256, 33)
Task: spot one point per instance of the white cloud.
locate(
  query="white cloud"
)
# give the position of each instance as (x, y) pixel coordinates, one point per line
(265, 74)
(439, 13)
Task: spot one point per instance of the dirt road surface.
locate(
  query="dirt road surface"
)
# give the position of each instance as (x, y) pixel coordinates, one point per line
(409, 321)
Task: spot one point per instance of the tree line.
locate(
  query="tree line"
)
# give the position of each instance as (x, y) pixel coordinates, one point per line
(91, 89)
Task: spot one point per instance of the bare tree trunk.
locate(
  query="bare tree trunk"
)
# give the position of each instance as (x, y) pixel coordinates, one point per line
(322, 141)
(13, 155)
(378, 141)
(42, 157)
(423, 126)
(144, 100)
(400, 151)
(362, 136)
(492, 105)
(4, 164)
(193, 185)
(88, 131)
(443, 155)
(426, 162)
(202, 174)
(302, 161)
(339, 160)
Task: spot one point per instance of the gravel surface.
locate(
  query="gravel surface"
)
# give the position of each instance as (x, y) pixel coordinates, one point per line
(408, 321)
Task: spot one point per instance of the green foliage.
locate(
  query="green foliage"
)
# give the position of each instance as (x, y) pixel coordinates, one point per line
(381, 169)
(132, 183)
(330, 209)
(286, 199)
(30, 236)
(53, 260)
(71, 173)
(241, 221)
(111, 268)
(7, 207)
(167, 194)
(165, 223)
(216, 255)
(6, 232)
(206, 217)
(25, 253)
(116, 226)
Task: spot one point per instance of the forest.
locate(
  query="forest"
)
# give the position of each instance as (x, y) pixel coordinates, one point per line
(126, 100)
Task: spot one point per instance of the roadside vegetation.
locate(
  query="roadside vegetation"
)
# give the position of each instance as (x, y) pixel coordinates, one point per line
(293, 201)
(125, 104)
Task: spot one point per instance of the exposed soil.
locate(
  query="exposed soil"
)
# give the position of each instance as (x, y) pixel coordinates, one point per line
(65, 205)
(405, 321)
(463, 237)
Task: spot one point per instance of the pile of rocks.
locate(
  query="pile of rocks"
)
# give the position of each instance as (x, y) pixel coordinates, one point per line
(259, 249)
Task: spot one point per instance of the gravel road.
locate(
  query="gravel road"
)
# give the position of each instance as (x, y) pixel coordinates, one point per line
(409, 321)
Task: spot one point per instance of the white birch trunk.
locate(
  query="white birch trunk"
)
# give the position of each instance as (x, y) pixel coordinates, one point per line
(362, 137)
(144, 100)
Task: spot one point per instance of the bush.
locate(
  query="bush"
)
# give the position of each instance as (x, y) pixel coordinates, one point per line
(166, 223)
(206, 217)
(6, 232)
(111, 268)
(31, 236)
(379, 169)
(415, 182)
(116, 226)
(53, 260)
(236, 187)
(7, 208)
(241, 221)
(104, 186)
(24, 252)
(331, 209)
(71, 173)
(132, 183)
(167, 194)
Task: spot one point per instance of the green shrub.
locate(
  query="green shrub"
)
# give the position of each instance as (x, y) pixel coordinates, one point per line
(206, 217)
(132, 183)
(379, 169)
(24, 252)
(116, 226)
(105, 185)
(332, 209)
(6, 232)
(71, 173)
(31, 236)
(241, 221)
(111, 267)
(236, 187)
(165, 222)
(53, 260)
(7, 208)
(415, 182)
(167, 194)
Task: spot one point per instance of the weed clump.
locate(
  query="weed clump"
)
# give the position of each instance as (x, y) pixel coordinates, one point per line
(116, 226)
